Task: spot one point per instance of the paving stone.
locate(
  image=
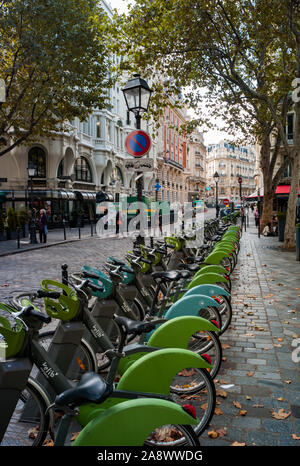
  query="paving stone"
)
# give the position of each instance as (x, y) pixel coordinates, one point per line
(261, 438)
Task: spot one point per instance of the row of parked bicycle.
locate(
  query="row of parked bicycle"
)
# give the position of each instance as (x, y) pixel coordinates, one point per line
(133, 357)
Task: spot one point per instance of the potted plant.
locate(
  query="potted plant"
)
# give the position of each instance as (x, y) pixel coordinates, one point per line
(12, 224)
(298, 241)
(23, 221)
(281, 225)
(2, 227)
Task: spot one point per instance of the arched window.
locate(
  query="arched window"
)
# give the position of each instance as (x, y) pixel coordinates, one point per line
(82, 170)
(60, 170)
(37, 157)
(118, 174)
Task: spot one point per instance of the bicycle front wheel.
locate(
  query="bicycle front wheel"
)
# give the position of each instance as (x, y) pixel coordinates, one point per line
(173, 435)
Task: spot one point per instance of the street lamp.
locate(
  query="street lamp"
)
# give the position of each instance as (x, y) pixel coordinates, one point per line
(137, 95)
(216, 178)
(31, 173)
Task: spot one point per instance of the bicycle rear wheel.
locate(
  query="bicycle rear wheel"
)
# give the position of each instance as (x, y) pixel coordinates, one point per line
(29, 424)
(172, 435)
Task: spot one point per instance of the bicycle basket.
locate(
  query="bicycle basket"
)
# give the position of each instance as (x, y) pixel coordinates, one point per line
(13, 338)
(66, 306)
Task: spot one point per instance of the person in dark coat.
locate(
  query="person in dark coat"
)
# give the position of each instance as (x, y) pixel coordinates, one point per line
(42, 225)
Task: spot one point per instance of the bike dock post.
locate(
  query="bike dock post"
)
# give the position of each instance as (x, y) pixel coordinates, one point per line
(79, 233)
(64, 274)
(64, 227)
(92, 231)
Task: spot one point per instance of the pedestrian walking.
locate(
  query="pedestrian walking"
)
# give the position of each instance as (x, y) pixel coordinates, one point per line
(256, 215)
(42, 225)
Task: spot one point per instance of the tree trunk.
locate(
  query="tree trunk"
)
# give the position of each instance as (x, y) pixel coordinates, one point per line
(289, 232)
(267, 213)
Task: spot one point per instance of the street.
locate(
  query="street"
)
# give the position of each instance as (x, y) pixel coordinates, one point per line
(258, 376)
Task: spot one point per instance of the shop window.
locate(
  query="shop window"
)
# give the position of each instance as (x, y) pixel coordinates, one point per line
(37, 157)
(82, 170)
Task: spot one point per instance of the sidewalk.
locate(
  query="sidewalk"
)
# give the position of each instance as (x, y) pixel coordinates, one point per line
(54, 237)
(261, 406)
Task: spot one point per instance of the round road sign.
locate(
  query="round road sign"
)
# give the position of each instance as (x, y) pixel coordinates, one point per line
(240, 180)
(225, 201)
(138, 143)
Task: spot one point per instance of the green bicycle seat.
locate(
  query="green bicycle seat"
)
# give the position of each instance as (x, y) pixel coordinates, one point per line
(66, 306)
(13, 337)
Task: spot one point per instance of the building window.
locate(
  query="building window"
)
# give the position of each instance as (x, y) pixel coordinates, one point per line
(60, 170)
(98, 127)
(290, 126)
(37, 157)
(82, 170)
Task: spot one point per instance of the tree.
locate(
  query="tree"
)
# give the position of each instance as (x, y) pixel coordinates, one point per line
(54, 62)
(240, 51)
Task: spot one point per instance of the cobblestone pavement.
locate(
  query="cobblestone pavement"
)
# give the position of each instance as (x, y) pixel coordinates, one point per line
(257, 349)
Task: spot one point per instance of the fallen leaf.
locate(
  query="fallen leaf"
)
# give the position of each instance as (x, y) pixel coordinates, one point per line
(224, 358)
(74, 436)
(250, 313)
(204, 406)
(191, 397)
(186, 373)
(295, 437)
(280, 415)
(225, 346)
(268, 296)
(237, 404)
(286, 322)
(237, 444)
(277, 346)
(251, 296)
(222, 432)
(48, 443)
(280, 339)
(249, 334)
(280, 399)
(243, 412)
(250, 374)
(288, 381)
(248, 255)
(248, 397)
(213, 434)
(221, 393)
(33, 432)
(218, 411)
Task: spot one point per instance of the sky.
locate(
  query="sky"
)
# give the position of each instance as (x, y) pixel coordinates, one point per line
(211, 137)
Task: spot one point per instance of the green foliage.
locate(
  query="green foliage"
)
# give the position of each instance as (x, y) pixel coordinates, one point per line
(297, 225)
(1, 221)
(281, 215)
(54, 58)
(23, 217)
(12, 219)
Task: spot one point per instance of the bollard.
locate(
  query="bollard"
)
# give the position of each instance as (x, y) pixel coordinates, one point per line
(244, 219)
(247, 220)
(79, 233)
(64, 274)
(92, 232)
(151, 241)
(18, 238)
(64, 227)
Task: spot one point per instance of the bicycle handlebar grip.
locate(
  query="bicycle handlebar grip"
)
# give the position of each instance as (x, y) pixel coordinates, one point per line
(48, 294)
(94, 286)
(90, 275)
(142, 259)
(30, 311)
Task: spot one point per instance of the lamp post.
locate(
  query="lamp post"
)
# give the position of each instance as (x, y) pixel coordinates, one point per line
(216, 178)
(31, 173)
(137, 95)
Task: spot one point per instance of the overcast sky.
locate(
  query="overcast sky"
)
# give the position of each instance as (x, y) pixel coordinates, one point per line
(211, 137)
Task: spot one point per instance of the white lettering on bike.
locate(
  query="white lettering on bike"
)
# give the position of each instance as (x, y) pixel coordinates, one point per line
(48, 371)
(96, 332)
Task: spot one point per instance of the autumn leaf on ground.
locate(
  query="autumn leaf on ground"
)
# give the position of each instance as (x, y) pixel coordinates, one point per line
(246, 305)
(237, 404)
(74, 436)
(224, 358)
(249, 313)
(250, 374)
(286, 322)
(213, 434)
(295, 437)
(249, 334)
(268, 296)
(186, 373)
(222, 432)
(288, 381)
(225, 346)
(280, 415)
(277, 346)
(243, 412)
(33, 432)
(204, 406)
(224, 381)
(221, 393)
(280, 339)
(251, 296)
(237, 444)
(248, 255)
(191, 397)
(280, 399)
(218, 411)
(48, 443)
(248, 397)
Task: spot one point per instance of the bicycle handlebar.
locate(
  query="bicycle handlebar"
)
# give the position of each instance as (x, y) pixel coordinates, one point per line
(48, 294)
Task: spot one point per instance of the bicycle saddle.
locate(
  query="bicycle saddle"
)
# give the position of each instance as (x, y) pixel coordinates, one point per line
(186, 273)
(91, 388)
(133, 327)
(170, 276)
(190, 267)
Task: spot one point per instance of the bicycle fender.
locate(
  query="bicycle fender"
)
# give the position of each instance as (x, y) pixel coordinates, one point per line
(131, 422)
(215, 257)
(212, 269)
(190, 306)
(208, 290)
(176, 332)
(206, 279)
(154, 372)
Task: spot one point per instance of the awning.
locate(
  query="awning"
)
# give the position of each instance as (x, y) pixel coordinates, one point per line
(86, 196)
(281, 189)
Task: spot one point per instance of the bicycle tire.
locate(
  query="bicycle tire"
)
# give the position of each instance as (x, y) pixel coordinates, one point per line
(226, 314)
(212, 343)
(18, 429)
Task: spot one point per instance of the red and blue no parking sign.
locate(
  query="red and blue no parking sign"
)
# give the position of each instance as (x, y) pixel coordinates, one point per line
(138, 143)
